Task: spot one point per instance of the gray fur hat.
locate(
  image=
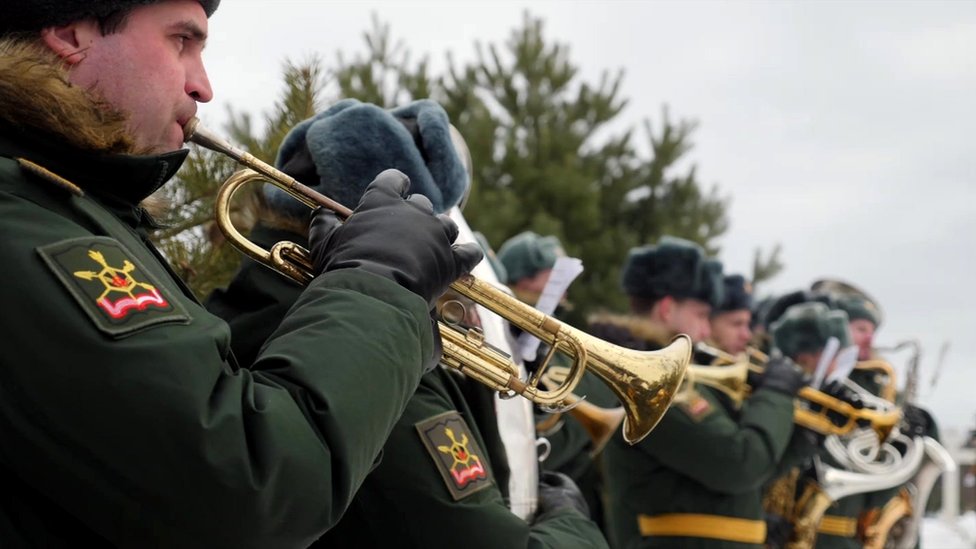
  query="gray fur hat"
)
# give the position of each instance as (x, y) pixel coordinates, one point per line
(340, 151)
(527, 253)
(34, 15)
(806, 327)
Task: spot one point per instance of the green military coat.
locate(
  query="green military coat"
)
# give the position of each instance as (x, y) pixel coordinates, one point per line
(436, 485)
(123, 416)
(703, 458)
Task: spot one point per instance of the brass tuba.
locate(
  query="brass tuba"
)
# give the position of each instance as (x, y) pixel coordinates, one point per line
(730, 374)
(645, 382)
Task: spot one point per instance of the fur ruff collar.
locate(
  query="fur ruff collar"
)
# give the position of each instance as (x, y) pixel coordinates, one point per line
(638, 327)
(36, 96)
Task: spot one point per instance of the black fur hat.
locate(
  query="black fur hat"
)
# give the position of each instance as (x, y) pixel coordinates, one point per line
(674, 267)
(34, 15)
(738, 294)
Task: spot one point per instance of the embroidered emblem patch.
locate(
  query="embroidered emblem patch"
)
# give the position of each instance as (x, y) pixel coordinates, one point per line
(116, 292)
(456, 454)
(697, 407)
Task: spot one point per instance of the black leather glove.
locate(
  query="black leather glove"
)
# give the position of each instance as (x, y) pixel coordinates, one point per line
(399, 239)
(784, 376)
(558, 491)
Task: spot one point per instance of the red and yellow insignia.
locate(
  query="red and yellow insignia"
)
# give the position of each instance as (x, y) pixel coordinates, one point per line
(131, 294)
(697, 407)
(116, 292)
(455, 453)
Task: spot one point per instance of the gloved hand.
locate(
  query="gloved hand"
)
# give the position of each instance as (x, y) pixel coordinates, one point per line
(916, 422)
(784, 376)
(558, 491)
(399, 239)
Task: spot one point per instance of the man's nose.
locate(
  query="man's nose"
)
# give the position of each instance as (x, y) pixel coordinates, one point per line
(198, 84)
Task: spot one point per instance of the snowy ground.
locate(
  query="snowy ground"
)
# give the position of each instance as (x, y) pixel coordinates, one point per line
(937, 534)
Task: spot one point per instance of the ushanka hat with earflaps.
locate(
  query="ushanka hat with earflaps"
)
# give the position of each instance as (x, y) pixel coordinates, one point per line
(737, 294)
(806, 328)
(34, 15)
(674, 267)
(858, 308)
(340, 151)
(527, 253)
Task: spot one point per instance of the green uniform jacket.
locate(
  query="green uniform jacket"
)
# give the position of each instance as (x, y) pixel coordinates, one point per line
(700, 459)
(412, 499)
(123, 418)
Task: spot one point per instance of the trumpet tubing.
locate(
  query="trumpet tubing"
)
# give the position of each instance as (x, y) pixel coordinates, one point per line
(644, 382)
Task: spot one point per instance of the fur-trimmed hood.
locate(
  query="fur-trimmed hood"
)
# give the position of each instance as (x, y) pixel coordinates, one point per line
(36, 97)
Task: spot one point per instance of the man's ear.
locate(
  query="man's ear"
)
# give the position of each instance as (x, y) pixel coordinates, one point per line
(665, 308)
(68, 41)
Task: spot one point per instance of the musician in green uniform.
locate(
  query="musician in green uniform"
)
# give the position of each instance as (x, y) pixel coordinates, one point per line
(528, 259)
(850, 522)
(695, 480)
(126, 420)
(442, 478)
(730, 322)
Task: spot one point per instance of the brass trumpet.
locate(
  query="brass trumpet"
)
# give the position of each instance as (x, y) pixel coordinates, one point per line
(729, 375)
(645, 382)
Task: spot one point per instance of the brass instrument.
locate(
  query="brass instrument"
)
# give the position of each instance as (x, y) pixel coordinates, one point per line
(833, 484)
(730, 375)
(937, 461)
(599, 423)
(645, 382)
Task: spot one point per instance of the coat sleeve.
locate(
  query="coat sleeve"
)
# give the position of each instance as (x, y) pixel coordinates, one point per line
(153, 439)
(713, 449)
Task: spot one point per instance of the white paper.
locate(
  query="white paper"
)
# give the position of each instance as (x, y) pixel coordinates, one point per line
(564, 272)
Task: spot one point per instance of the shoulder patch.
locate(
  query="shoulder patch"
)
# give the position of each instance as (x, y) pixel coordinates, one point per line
(111, 286)
(696, 407)
(456, 454)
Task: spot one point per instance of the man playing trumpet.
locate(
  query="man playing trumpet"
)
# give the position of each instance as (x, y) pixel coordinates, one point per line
(695, 480)
(132, 424)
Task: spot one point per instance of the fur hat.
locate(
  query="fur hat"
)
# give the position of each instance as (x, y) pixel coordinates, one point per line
(674, 267)
(737, 294)
(806, 327)
(858, 307)
(778, 306)
(34, 15)
(527, 253)
(340, 151)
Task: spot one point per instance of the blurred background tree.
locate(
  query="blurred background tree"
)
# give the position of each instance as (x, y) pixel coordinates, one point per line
(546, 157)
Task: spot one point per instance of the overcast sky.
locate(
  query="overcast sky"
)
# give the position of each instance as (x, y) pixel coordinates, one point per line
(842, 130)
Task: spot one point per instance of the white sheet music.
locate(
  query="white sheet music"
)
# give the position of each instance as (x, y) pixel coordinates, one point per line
(564, 272)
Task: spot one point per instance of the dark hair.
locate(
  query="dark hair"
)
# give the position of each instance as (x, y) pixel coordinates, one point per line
(643, 305)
